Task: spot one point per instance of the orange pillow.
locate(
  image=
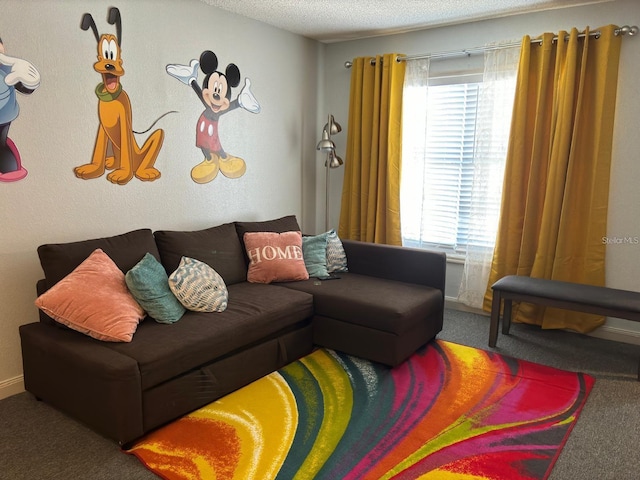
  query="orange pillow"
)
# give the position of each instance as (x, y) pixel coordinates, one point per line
(275, 257)
(94, 299)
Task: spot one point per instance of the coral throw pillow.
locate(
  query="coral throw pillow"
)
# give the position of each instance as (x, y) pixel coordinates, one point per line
(275, 257)
(94, 299)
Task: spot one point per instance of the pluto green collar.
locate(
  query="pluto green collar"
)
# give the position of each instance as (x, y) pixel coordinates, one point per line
(106, 96)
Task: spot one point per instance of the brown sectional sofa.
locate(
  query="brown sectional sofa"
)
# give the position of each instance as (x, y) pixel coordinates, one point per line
(387, 305)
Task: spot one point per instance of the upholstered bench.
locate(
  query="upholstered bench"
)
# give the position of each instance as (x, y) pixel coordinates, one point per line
(553, 293)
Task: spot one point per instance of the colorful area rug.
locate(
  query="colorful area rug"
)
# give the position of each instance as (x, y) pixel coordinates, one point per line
(449, 412)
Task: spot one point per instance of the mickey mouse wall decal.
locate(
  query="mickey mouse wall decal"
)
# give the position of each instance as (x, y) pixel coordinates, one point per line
(215, 95)
(127, 159)
(16, 75)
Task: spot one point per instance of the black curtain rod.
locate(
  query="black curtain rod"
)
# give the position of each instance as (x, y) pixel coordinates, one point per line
(625, 30)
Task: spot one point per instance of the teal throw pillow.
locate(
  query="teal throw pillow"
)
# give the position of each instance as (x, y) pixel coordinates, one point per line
(336, 257)
(148, 283)
(314, 251)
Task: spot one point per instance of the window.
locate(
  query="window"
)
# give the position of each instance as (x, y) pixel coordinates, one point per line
(455, 136)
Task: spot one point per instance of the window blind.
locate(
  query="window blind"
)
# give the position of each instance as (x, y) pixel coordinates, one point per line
(438, 163)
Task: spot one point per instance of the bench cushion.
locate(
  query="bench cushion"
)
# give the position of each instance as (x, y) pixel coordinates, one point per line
(611, 299)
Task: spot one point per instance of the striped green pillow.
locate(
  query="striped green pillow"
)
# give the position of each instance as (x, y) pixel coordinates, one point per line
(198, 286)
(336, 257)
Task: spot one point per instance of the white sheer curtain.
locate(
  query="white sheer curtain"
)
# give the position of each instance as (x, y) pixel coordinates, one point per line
(414, 137)
(495, 105)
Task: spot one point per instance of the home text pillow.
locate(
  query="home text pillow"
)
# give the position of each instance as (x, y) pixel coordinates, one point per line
(198, 287)
(149, 285)
(94, 299)
(287, 223)
(275, 257)
(314, 250)
(336, 257)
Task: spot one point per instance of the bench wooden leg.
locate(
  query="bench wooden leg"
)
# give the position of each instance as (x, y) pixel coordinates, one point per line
(506, 317)
(495, 318)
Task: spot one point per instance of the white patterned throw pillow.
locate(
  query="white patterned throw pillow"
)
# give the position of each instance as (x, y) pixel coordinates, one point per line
(336, 258)
(198, 287)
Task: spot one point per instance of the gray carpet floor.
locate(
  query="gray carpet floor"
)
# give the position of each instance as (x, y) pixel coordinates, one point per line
(38, 442)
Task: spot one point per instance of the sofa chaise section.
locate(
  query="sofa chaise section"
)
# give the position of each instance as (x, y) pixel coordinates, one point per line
(389, 304)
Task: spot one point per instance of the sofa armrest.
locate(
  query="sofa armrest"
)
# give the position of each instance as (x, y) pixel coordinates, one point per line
(83, 378)
(403, 264)
(41, 287)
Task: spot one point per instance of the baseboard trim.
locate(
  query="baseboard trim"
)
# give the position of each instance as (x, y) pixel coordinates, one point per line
(11, 386)
(606, 332)
(617, 334)
(454, 304)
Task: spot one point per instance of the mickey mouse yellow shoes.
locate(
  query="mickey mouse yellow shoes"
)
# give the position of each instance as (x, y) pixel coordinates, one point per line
(206, 170)
(232, 167)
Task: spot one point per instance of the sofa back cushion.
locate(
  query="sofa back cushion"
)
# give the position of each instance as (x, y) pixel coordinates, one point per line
(218, 247)
(59, 259)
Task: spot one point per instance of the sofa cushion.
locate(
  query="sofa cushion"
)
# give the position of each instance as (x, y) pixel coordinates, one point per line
(59, 259)
(275, 257)
(149, 285)
(377, 303)
(255, 312)
(218, 247)
(94, 299)
(198, 286)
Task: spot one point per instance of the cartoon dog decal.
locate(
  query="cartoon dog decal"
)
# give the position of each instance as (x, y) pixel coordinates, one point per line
(215, 95)
(114, 113)
(16, 75)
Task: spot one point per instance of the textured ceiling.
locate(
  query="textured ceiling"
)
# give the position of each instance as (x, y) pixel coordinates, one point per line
(337, 20)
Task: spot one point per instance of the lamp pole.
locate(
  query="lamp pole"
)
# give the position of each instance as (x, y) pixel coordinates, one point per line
(327, 184)
(332, 160)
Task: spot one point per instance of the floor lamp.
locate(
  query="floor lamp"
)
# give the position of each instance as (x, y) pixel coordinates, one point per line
(332, 160)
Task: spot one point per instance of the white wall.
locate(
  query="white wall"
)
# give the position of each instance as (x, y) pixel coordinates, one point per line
(623, 260)
(57, 125)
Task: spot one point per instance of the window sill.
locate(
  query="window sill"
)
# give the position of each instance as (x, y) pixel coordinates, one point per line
(455, 258)
(452, 257)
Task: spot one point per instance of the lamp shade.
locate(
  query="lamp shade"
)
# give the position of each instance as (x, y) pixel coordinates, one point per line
(326, 145)
(333, 160)
(332, 126)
